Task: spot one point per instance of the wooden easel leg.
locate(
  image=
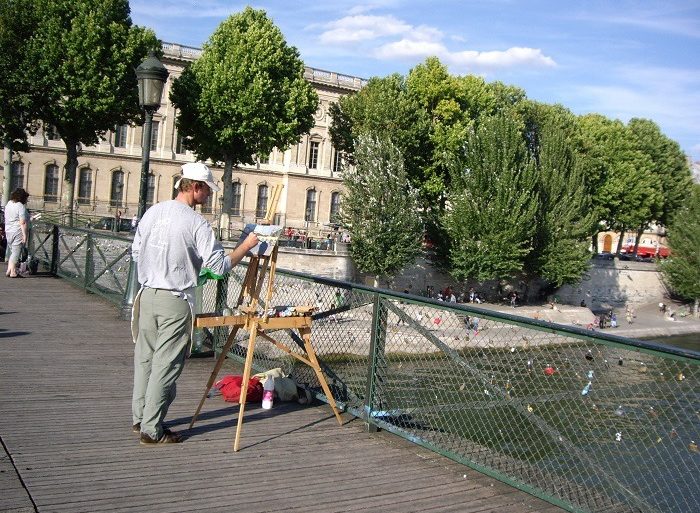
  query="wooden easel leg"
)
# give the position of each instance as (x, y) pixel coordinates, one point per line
(306, 335)
(248, 280)
(217, 367)
(271, 278)
(244, 385)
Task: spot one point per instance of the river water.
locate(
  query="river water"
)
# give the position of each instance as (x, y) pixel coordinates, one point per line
(691, 341)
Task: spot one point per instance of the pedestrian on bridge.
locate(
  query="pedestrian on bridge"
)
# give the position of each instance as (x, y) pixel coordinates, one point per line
(16, 230)
(171, 245)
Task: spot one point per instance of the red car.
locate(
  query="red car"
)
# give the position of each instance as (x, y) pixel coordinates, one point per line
(647, 251)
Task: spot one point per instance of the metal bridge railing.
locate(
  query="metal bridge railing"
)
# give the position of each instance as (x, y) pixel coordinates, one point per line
(587, 421)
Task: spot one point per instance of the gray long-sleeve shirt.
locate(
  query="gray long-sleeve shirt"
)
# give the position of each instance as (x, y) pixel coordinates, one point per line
(171, 245)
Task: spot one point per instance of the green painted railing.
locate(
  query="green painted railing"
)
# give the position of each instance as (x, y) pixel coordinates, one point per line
(588, 421)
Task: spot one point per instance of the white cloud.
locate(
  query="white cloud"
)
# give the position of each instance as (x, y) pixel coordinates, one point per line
(353, 29)
(516, 56)
(417, 42)
(409, 49)
(467, 60)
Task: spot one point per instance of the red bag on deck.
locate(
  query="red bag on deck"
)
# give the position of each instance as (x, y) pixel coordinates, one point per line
(230, 387)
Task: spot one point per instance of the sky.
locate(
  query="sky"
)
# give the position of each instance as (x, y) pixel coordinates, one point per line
(620, 58)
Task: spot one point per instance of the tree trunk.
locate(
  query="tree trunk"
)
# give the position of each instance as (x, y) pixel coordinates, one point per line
(227, 200)
(7, 175)
(376, 281)
(620, 241)
(227, 178)
(696, 309)
(640, 231)
(594, 243)
(69, 178)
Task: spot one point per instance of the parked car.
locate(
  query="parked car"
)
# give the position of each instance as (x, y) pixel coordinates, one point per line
(644, 251)
(107, 223)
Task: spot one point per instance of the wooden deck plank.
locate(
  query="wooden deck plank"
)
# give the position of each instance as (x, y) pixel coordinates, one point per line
(66, 376)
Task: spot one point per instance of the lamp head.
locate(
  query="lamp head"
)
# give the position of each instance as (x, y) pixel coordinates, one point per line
(151, 76)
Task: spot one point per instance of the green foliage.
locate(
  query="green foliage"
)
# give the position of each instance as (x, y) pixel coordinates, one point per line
(381, 209)
(246, 94)
(492, 206)
(669, 165)
(624, 190)
(19, 97)
(682, 268)
(84, 53)
(384, 107)
(427, 114)
(564, 220)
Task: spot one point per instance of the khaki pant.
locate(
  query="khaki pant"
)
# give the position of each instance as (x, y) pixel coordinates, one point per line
(159, 356)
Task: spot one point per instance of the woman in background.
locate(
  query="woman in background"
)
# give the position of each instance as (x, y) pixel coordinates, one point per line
(16, 229)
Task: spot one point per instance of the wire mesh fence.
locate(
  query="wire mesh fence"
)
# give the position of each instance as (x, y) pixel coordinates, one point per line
(589, 421)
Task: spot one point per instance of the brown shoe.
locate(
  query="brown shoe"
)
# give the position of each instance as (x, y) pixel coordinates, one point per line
(136, 428)
(168, 437)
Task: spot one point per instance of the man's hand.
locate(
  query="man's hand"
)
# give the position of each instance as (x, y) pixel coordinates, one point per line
(251, 241)
(240, 251)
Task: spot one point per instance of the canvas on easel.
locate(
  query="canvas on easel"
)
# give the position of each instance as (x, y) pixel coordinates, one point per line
(263, 262)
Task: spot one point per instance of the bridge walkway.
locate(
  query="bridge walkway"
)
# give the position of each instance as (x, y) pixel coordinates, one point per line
(67, 445)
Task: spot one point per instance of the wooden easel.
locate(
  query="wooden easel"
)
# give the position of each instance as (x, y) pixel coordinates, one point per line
(256, 325)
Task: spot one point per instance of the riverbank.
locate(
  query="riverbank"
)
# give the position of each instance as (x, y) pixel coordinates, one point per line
(648, 320)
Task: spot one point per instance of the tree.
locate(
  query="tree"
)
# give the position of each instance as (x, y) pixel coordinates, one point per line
(682, 268)
(381, 209)
(244, 96)
(384, 107)
(491, 212)
(564, 219)
(669, 165)
(20, 97)
(624, 191)
(83, 56)
(427, 115)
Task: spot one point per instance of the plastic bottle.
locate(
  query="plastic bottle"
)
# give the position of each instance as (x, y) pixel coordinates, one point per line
(268, 393)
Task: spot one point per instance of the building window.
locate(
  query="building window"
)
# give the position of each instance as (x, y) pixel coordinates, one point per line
(154, 135)
(236, 199)
(51, 183)
(313, 154)
(335, 208)
(51, 133)
(117, 192)
(16, 176)
(120, 136)
(337, 161)
(310, 213)
(261, 204)
(84, 186)
(180, 145)
(150, 190)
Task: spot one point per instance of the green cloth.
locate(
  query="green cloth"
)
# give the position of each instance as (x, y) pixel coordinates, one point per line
(207, 274)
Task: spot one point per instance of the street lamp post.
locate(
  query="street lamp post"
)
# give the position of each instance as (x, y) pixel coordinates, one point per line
(151, 76)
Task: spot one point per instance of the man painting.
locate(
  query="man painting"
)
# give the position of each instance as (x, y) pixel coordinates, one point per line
(171, 245)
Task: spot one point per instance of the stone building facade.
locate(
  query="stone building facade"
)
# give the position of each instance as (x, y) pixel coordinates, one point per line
(108, 175)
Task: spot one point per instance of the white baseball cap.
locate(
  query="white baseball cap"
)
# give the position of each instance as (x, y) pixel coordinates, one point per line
(199, 172)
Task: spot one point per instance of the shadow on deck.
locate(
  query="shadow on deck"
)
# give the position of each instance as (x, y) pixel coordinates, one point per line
(66, 376)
